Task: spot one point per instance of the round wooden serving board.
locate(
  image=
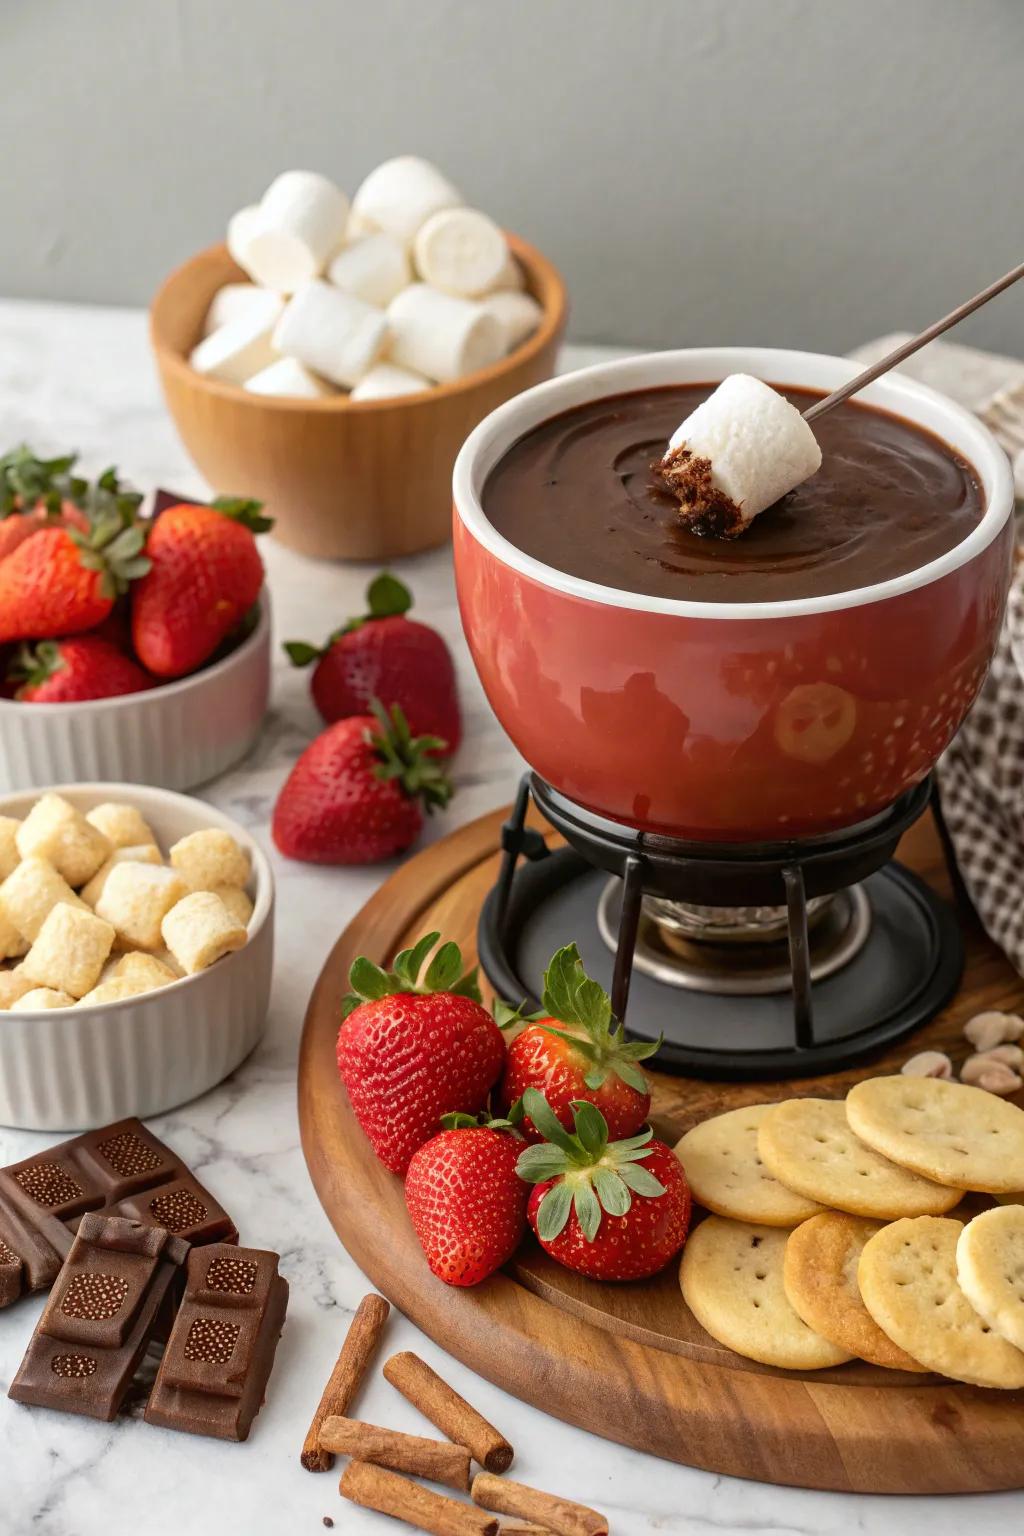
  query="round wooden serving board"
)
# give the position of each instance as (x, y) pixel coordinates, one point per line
(629, 1361)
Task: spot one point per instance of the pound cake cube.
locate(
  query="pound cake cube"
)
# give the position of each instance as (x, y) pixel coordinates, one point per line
(12, 943)
(210, 858)
(71, 950)
(13, 985)
(237, 901)
(43, 997)
(149, 969)
(55, 831)
(200, 930)
(9, 855)
(133, 853)
(114, 990)
(122, 825)
(135, 899)
(30, 893)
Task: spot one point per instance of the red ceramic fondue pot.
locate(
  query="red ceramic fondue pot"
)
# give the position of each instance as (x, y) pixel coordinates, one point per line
(731, 721)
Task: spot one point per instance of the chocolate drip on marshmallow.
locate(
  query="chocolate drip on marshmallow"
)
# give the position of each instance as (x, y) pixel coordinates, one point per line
(741, 450)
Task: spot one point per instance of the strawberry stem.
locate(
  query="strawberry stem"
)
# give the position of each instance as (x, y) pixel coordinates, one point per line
(444, 974)
(31, 666)
(574, 998)
(407, 758)
(386, 598)
(242, 509)
(27, 481)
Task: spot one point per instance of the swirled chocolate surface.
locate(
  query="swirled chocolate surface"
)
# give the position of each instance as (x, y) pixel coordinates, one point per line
(577, 493)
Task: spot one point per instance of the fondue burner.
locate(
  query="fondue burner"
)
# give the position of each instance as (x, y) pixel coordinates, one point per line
(763, 960)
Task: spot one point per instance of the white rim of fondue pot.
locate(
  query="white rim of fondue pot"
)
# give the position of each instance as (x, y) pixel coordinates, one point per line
(895, 393)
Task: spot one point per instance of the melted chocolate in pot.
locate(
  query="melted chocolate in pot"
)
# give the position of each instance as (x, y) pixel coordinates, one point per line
(577, 492)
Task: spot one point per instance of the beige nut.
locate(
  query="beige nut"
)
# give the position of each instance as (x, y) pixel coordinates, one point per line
(928, 1064)
(987, 1030)
(1009, 1055)
(985, 1070)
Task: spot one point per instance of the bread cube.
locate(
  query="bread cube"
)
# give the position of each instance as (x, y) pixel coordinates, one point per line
(140, 853)
(237, 901)
(210, 858)
(70, 951)
(200, 930)
(13, 984)
(9, 854)
(12, 943)
(30, 893)
(40, 998)
(113, 991)
(137, 966)
(122, 825)
(55, 831)
(135, 899)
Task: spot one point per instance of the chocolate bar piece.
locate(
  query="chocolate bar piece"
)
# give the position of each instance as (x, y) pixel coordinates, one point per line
(213, 1376)
(101, 1315)
(121, 1169)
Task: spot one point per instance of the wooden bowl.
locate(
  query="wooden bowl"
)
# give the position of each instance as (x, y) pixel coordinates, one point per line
(364, 481)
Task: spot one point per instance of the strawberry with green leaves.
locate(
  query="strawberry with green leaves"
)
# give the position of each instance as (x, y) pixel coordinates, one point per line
(383, 654)
(575, 1050)
(205, 576)
(359, 791)
(411, 1050)
(64, 578)
(466, 1202)
(72, 670)
(613, 1210)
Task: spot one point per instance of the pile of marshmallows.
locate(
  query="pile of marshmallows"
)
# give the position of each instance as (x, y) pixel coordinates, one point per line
(405, 289)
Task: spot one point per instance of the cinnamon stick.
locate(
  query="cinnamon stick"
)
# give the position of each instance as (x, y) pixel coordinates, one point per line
(349, 1369)
(437, 1460)
(452, 1415)
(523, 1528)
(560, 1516)
(375, 1488)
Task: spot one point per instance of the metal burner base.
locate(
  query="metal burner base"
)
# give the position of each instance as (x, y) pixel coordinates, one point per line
(905, 972)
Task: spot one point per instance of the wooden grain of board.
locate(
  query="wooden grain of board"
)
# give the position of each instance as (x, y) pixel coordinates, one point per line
(629, 1362)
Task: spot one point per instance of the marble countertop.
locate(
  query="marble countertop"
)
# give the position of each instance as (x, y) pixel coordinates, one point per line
(77, 376)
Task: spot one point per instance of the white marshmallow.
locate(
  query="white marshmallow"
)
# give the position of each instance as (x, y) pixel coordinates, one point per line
(239, 349)
(373, 268)
(385, 381)
(240, 227)
(236, 299)
(511, 275)
(759, 445)
(440, 336)
(301, 224)
(289, 377)
(400, 195)
(460, 251)
(518, 314)
(333, 333)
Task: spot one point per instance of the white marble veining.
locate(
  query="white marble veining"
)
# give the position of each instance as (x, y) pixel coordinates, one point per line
(82, 377)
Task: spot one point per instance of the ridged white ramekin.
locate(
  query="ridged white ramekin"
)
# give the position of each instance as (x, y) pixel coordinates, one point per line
(75, 1068)
(176, 735)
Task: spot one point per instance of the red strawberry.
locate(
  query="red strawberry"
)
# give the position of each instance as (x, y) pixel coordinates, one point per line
(383, 655)
(410, 1052)
(38, 493)
(571, 1052)
(66, 671)
(206, 573)
(61, 582)
(613, 1210)
(355, 794)
(466, 1203)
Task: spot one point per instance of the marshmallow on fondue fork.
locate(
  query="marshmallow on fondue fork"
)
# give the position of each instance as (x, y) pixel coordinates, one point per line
(735, 455)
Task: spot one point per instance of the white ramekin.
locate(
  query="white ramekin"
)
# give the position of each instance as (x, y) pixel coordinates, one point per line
(176, 735)
(75, 1068)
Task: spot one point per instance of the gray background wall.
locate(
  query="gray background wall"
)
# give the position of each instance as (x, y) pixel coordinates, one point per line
(806, 172)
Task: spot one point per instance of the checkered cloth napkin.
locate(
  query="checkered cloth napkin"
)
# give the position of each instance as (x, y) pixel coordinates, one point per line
(981, 786)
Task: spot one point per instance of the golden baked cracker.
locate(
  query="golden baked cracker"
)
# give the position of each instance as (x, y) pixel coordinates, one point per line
(990, 1269)
(820, 1276)
(727, 1176)
(808, 1145)
(947, 1131)
(908, 1280)
(731, 1277)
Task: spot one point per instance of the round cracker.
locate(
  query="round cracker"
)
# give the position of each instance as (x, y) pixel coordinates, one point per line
(947, 1131)
(727, 1175)
(907, 1278)
(731, 1276)
(808, 1145)
(990, 1269)
(820, 1276)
